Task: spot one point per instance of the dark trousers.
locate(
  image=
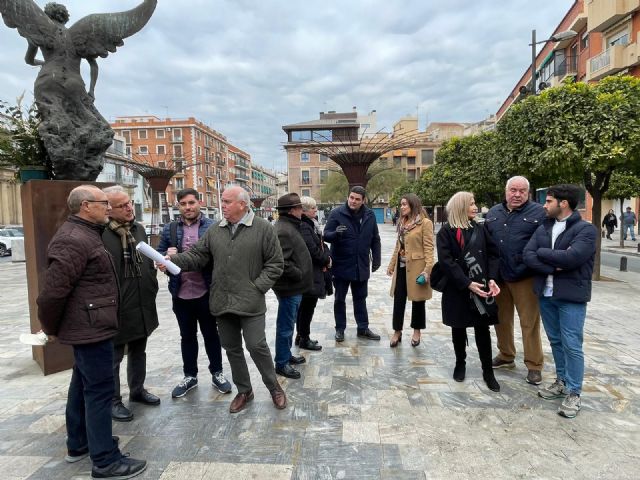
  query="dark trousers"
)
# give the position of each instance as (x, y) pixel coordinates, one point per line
(609, 230)
(359, 294)
(483, 343)
(305, 315)
(88, 412)
(136, 367)
(189, 314)
(232, 329)
(418, 312)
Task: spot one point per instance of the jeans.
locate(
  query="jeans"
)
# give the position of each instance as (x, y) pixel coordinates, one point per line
(88, 412)
(189, 314)
(631, 231)
(418, 312)
(359, 293)
(564, 323)
(286, 320)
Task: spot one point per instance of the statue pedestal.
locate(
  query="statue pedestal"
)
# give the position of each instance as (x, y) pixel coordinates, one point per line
(44, 209)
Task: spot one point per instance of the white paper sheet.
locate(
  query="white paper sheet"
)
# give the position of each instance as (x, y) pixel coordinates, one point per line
(39, 338)
(149, 252)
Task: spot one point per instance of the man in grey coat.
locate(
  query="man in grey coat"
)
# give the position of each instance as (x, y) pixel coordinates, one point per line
(247, 261)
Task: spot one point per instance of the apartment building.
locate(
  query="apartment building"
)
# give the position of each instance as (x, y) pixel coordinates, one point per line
(263, 185)
(202, 156)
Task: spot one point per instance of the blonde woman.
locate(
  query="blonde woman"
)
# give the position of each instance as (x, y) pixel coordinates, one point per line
(410, 267)
(470, 261)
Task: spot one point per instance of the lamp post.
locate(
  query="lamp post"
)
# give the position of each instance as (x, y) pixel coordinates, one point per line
(558, 37)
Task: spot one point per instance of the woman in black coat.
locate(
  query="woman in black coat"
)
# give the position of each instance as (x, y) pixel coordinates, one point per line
(469, 259)
(312, 234)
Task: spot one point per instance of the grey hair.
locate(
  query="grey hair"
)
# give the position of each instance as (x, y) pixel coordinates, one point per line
(79, 195)
(517, 177)
(114, 189)
(243, 195)
(308, 203)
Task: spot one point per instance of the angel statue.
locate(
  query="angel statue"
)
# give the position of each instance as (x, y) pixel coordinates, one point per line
(74, 133)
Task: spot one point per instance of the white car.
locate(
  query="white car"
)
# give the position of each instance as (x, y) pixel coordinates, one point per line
(6, 236)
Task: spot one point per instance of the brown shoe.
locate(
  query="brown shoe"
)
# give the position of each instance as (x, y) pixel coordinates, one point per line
(279, 398)
(240, 401)
(534, 377)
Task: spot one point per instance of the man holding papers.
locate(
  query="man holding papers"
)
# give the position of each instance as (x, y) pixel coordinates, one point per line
(138, 282)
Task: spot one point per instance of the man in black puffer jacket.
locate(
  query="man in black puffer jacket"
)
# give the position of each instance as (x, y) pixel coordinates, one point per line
(78, 306)
(296, 279)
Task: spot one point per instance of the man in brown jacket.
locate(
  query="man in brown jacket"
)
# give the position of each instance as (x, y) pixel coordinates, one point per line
(78, 305)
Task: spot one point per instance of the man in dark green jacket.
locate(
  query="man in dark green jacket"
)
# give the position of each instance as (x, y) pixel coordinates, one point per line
(138, 285)
(296, 279)
(247, 261)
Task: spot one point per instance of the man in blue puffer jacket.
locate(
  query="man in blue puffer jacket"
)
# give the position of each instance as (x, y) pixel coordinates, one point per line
(511, 224)
(190, 296)
(353, 233)
(561, 252)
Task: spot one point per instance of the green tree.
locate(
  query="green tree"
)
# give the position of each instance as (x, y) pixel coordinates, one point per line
(623, 185)
(578, 133)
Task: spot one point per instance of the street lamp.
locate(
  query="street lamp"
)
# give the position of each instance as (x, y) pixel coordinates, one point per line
(558, 37)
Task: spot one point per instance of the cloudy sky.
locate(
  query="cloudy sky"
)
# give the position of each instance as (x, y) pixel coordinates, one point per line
(247, 67)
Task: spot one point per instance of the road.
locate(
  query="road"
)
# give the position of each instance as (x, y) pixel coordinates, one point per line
(613, 260)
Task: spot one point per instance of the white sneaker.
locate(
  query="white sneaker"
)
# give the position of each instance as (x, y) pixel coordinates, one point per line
(556, 390)
(570, 406)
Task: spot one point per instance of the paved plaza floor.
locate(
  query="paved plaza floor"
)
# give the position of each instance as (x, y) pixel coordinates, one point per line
(360, 411)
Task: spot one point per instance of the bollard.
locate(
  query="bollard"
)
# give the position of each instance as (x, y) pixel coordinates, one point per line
(638, 247)
(623, 264)
(603, 234)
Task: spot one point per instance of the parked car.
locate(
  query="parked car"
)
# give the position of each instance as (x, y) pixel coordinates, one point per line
(6, 237)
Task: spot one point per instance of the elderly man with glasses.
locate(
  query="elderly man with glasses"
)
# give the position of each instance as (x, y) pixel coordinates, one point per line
(138, 282)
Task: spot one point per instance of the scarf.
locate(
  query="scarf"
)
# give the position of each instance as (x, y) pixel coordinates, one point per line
(131, 256)
(403, 228)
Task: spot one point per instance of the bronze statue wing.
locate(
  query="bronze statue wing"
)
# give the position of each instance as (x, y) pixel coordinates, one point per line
(98, 34)
(30, 20)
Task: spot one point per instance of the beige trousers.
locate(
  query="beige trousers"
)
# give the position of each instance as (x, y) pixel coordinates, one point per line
(519, 295)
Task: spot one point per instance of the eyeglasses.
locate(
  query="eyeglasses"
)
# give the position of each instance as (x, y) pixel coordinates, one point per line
(103, 202)
(124, 205)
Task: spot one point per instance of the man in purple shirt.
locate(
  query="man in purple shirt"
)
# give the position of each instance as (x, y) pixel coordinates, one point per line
(190, 292)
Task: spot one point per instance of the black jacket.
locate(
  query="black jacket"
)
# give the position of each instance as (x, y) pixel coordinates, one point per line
(297, 277)
(79, 297)
(351, 250)
(570, 261)
(138, 315)
(511, 231)
(457, 309)
(319, 256)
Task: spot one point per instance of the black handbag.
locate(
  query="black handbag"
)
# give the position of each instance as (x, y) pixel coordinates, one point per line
(437, 278)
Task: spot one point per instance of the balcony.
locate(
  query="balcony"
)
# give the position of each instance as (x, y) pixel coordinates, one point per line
(305, 181)
(124, 180)
(242, 176)
(566, 67)
(614, 59)
(602, 14)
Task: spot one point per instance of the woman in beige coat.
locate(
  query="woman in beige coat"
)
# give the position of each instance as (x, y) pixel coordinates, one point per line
(410, 266)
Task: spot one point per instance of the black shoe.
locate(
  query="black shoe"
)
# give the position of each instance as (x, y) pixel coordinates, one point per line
(74, 456)
(124, 468)
(288, 371)
(120, 413)
(491, 381)
(308, 344)
(367, 333)
(145, 397)
(297, 360)
(339, 335)
(459, 371)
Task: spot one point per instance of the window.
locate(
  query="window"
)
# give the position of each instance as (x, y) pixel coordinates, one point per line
(143, 150)
(159, 133)
(397, 161)
(199, 150)
(127, 135)
(142, 134)
(179, 183)
(177, 134)
(200, 197)
(127, 150)
(304, 156)
(619, 38)
(324, 174)
(177, 151)
(306, 180)
(306, 192)
(200, 182)
(161, 150)
(427, 157)
(411, 160)
(300, 135)
(584, 41)
(322, 135)
(162, 165)
(324, 157)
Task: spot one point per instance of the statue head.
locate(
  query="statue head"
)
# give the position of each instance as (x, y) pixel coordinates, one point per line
(57, 12)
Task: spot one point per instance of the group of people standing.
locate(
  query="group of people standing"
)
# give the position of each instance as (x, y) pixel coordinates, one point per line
(99, 293)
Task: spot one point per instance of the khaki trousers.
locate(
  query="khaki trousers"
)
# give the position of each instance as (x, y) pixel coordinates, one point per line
(519, 294)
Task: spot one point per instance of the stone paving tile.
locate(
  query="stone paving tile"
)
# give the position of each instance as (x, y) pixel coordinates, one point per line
(361, 410)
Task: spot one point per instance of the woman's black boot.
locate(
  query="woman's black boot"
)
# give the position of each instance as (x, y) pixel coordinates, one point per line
(490, 380)
(459, 337)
